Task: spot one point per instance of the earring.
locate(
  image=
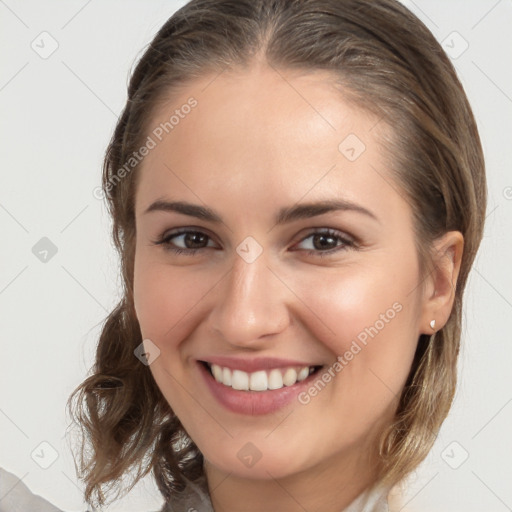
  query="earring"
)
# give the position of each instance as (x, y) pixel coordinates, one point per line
(433, 324)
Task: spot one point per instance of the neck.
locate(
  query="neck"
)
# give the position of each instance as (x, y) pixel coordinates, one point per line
(331, 485)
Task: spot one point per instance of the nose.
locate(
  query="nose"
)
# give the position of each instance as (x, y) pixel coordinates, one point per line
(251, 305)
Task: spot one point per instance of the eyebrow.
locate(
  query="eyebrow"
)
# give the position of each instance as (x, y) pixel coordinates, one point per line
(285, 215)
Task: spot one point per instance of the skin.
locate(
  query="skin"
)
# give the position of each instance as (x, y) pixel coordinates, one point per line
(258, 141)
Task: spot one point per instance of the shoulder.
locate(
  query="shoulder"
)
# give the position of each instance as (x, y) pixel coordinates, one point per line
(15, 496)
(372, 500)
(195, 497)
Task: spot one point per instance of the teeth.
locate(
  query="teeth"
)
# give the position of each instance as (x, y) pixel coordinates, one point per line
(260, 380)
(226, 376)
(303, 373)
(275, 379)
(290, 377)
(217, 372)
(240, 380)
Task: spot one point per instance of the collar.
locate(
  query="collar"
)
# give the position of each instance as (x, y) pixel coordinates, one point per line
(196, 497)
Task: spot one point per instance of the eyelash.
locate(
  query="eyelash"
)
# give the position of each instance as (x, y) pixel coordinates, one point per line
(346, 243)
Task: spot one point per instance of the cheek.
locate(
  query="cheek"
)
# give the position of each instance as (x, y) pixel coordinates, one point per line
(164, 300)
(348, 300)
(368, 316)
(164, 296)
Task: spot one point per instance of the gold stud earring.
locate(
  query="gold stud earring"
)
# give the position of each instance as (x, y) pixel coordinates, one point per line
(433, 324)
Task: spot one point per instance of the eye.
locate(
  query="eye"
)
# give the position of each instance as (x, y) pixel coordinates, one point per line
(187, 238)
(324, 242)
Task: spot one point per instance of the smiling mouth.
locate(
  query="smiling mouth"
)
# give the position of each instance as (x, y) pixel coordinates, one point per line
(261, 380)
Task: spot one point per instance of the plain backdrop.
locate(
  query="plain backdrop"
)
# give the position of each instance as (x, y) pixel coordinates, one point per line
(57, 115)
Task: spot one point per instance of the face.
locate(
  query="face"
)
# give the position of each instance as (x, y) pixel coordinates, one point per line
(267, 283)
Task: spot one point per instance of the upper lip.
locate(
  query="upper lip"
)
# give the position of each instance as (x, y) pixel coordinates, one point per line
(256, 363)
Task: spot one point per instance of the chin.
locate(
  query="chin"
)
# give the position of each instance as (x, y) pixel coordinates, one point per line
(244, 458)
(263, 469)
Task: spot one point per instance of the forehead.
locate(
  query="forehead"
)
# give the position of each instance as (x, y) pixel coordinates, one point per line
(263, 133)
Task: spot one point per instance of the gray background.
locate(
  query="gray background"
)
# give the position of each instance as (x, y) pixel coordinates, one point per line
(58, 112)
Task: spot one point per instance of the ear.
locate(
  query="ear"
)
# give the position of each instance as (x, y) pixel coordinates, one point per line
(439, 290)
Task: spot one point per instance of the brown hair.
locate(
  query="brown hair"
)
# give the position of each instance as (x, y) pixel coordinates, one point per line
(385, 61)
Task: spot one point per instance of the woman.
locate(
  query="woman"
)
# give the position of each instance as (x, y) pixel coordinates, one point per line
(298, 194)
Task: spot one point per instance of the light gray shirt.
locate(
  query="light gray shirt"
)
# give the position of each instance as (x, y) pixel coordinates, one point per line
(15, 496)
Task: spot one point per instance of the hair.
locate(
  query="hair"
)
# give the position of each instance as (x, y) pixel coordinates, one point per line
(386, 62)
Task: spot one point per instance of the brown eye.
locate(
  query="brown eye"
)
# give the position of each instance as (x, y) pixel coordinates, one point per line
(192, 239)
(325, 242)
(184, 241)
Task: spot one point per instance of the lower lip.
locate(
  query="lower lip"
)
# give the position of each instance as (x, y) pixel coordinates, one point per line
(253, 402)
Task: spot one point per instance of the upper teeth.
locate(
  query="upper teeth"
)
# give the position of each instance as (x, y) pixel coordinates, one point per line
(260, 380)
